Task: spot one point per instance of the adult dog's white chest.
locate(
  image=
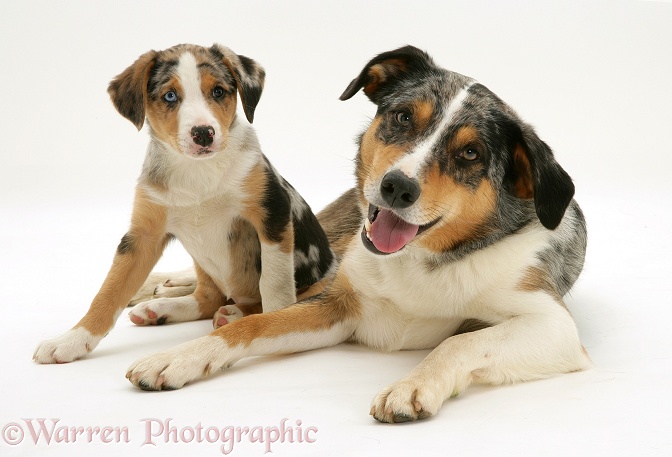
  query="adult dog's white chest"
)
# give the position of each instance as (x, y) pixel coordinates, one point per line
(411, 303)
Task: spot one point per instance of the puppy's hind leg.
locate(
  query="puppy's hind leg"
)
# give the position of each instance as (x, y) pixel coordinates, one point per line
(202, 302)
(164, 285)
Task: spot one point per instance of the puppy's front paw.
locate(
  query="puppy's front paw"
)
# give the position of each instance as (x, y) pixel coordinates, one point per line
(72, 345)
(172, 369)
(406, 400)
(225, 315)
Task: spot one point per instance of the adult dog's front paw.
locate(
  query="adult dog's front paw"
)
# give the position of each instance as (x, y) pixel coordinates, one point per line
(172, 369)
(406, 400)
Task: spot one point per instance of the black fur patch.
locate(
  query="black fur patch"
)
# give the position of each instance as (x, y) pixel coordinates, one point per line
(309, 234)
(277, 205)
(126, 245)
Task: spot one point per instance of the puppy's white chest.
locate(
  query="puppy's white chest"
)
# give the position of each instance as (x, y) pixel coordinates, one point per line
(203, 231)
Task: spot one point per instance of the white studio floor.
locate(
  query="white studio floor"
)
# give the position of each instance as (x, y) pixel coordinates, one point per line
(592, 77)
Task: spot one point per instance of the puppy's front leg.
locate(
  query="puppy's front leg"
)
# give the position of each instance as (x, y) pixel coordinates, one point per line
(276, 285)
(136, 255)
(535, 344)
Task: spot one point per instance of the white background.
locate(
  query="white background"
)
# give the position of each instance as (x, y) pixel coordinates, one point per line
(593, 77)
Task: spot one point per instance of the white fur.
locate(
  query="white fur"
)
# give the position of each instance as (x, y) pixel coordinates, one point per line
(71, 345)
(194, 110)
(276, 273)
(411, 163)
(174, 309)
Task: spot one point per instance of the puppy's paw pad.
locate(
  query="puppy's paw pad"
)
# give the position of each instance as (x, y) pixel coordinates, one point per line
(225, 315)
(72, 345)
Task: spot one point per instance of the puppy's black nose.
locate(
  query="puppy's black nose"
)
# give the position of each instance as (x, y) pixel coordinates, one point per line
(398, 190)
(202, 135)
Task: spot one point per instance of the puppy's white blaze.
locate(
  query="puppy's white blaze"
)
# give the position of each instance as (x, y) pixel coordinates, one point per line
(410, 164)
(194, 110)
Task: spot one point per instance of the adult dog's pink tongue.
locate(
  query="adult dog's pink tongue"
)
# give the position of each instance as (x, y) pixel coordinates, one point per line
(389, 233)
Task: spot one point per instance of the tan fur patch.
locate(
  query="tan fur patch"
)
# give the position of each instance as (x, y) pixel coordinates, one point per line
(463, 137)
(337, 304)
(376, 157)
(524, 184)
(423, 111)
(164, 121)
(464, 211)
(208, 295)
(244, 278)
(254, 188)
(535, 279)
(147, 240)
(224, 112)
(380, 72)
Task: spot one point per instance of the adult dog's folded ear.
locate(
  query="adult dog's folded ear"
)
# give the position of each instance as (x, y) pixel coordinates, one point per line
(249, 77)
(535, 174)
(128, 90)
(379, 76)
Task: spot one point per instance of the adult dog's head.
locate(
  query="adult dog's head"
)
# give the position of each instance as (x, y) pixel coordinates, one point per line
(446, 164)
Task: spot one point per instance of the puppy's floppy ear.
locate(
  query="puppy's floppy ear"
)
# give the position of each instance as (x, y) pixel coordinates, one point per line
(128, 90)
(249, 76)
(379, 75)
(535, 174)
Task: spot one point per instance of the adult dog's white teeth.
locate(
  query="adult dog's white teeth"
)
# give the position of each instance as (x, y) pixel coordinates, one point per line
(367, 228)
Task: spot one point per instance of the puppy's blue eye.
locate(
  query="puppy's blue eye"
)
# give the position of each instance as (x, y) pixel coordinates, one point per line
(170, 97)
(217, 92)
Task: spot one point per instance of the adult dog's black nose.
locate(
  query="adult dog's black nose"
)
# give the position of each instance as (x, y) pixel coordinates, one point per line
(398, 190)
(202, 135)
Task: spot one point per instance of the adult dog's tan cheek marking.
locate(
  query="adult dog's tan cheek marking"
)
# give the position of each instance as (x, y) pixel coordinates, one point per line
(465, 212)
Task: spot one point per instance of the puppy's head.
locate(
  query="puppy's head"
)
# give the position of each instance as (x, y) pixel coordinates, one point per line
(445, 162)
(188, 95)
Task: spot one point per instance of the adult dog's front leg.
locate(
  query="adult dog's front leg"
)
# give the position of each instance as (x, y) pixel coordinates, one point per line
(525, 347)
(137, 253)
(322, 321)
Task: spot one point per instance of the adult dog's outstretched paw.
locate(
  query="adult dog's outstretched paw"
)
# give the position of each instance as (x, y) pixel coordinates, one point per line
(406, 400)
(172, 369)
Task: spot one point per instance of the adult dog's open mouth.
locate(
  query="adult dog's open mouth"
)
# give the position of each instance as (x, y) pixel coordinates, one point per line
(385, 233)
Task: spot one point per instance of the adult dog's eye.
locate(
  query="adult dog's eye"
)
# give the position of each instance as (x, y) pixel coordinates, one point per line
(170, 97)
(469, 154)
(403, 118)
(217, 92)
